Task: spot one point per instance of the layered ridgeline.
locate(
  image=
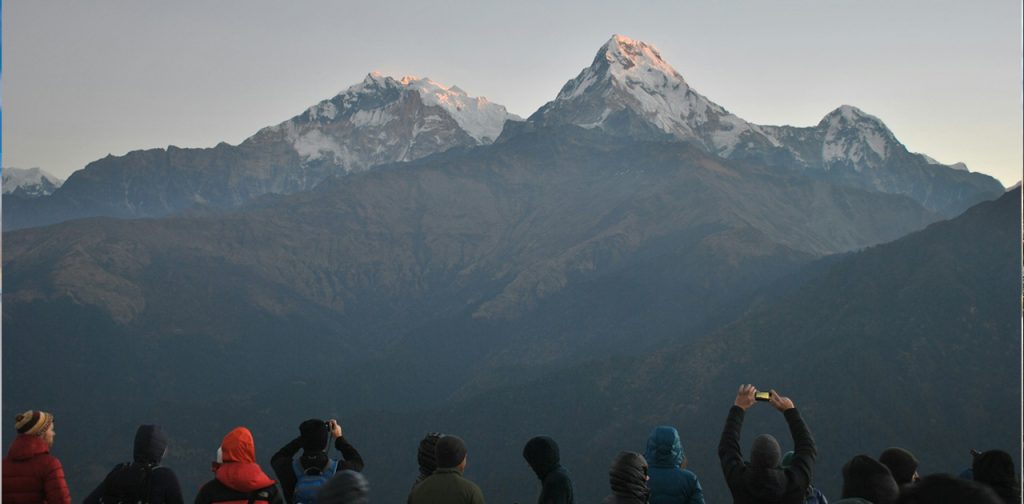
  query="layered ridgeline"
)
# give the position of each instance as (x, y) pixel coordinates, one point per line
(380, 120)
(630, 90)
(914, 343)
(411, 283)
(30, 183)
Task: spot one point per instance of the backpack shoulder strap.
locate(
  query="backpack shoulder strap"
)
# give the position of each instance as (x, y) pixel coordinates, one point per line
(331, 468)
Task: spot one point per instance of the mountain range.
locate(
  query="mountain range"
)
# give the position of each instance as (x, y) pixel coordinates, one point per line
(409, 258)
(628, 90)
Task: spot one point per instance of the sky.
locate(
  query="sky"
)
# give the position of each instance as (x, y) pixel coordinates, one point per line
(85, 79)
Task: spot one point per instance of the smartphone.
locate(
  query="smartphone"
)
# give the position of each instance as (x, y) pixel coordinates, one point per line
(763, 396)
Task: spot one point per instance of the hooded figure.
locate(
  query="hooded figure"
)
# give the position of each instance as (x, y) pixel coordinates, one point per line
(237, 478)
(670, 483)
(143, 479)
(30, 474)
(541, 453)
(628, 478)
(995, 469)
(762, 480)
(314, 440)
(346, 487)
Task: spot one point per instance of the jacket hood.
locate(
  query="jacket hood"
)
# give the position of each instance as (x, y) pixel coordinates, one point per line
(664, 448)
(347, 487)
(26, 446)
(150, 444)
(243, 476)
(541, 453)
(765, 483)
(628, 476)
(238, 446)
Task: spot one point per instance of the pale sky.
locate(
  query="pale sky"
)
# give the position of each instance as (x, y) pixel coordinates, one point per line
(86, 78)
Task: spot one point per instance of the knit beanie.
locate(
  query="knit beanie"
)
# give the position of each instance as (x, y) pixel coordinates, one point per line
(787, 460)
(451, 451)
(901, 463)
(765, 452)
(869, 479)
(427, 455)
(314, 435)
(33, 422)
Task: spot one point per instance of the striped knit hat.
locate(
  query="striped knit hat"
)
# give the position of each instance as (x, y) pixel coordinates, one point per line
(33, 422)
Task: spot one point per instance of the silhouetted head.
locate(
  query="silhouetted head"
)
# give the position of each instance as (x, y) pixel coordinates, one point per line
(664, 449)
(765, 452)
(947, 489)
(426, 457)
(995, 469)
(901, 464)
(869, 479)
(346, 487)
(150, 444)
(314, 434)
(628, 476)
(541, 453)
(451, 452)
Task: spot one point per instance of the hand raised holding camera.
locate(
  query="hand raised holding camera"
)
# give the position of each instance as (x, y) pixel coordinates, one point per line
(781, 403)
(335, 428)
(745, 396)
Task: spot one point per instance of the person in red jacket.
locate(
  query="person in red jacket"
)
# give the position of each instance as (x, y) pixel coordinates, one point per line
(31, 474)
(238, 479)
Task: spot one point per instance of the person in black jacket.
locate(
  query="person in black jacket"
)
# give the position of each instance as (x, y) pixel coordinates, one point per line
(761, 480)
(541, 453)
(628, 478)
(143, 479)
(314, 440)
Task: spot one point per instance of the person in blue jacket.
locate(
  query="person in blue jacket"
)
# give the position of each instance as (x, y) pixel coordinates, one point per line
(671, 482)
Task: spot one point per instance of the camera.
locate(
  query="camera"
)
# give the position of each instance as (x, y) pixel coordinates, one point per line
(763, 396)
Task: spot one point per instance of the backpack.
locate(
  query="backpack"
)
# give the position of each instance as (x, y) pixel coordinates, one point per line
(309, 482)
(128, 483)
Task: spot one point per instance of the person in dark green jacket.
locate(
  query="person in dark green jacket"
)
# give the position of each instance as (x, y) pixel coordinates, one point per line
(447, 485)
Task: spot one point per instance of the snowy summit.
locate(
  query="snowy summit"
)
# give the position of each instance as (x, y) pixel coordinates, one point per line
(32, 182)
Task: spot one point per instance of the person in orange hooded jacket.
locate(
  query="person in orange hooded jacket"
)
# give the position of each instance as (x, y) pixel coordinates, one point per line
(238, 479)
(31, 474)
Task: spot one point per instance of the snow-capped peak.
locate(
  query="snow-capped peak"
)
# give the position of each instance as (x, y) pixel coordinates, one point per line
(32, 182)
(480, 118)
(855, 136)
(630, 76)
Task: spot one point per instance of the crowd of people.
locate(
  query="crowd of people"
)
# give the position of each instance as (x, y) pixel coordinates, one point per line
(306, 473)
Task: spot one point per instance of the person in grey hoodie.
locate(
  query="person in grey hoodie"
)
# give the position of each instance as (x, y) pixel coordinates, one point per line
(541, 453)
(671, 482)
(868, 481)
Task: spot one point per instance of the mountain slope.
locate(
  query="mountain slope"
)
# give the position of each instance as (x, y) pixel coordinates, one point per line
(914, 343)
(380, 120)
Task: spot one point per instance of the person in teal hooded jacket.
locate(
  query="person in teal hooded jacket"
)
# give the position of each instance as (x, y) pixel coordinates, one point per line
(671, 482)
